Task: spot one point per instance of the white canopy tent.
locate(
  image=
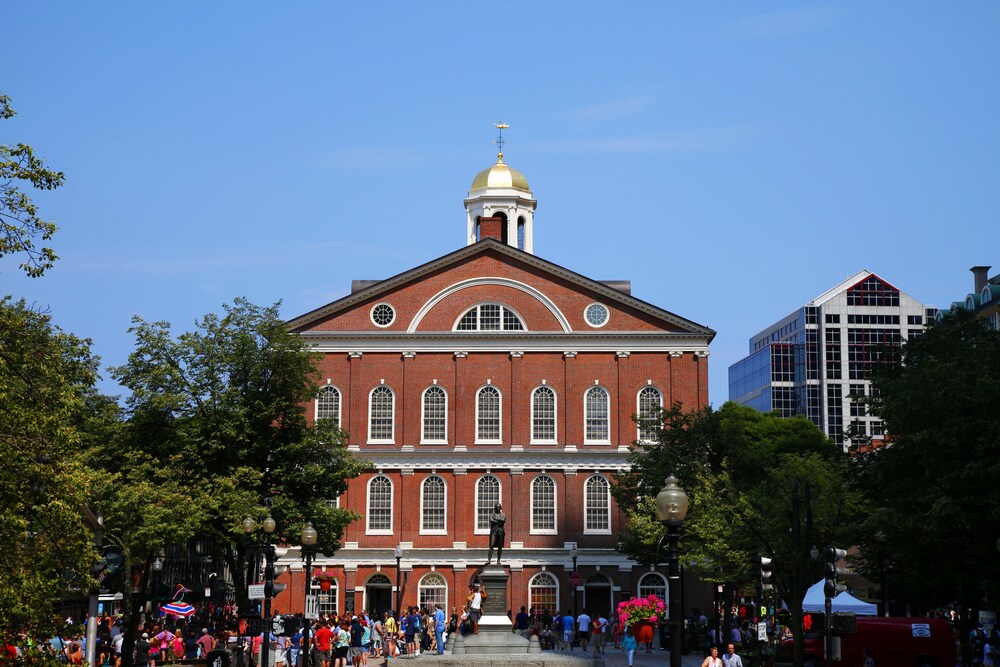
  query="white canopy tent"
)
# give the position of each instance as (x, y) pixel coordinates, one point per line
(815, 600)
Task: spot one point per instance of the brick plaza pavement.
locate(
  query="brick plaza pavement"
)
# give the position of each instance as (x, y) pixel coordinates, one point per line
(611, 659)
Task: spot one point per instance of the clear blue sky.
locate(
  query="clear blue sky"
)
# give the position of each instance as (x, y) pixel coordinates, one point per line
(733, 160)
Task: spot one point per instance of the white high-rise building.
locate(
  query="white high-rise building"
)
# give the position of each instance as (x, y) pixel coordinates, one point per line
(815, 361)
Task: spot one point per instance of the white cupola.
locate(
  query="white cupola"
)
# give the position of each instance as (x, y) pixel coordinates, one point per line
(500, 205)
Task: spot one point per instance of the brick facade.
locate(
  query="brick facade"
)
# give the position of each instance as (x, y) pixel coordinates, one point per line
(553, 346)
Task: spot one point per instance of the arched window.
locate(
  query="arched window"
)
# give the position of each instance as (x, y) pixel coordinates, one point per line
(597, 428)
(520, 233)
(381, 412)
(487, 495)
(434, 417)
(431, 590)
(543, 505)
(543, 593)
(490, 317)
(328, 404)
(432, 505)
(380, 505)
(649, 401)
(543, 415)
(488, 415)
(653, 583)
(597, 505)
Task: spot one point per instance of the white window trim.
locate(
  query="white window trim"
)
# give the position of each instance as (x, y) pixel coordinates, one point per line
(434, 531)
(340, 403)
(555, 509)
(490, 441)
(476, 530)
(478, 329)
(665, 586)
(638, 410)
(555, 417)
(368, 507)
(432, 441)
(380, 441)
(586, 496)
(421, 586)
(531, 583)
(591, 324)
(586, 416)
(371, 315)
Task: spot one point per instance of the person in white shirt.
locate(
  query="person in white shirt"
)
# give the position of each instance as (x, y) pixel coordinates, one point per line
(583, 629)
(730, 659)
(599, 628)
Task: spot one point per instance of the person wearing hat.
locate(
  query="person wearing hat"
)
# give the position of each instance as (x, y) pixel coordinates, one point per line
(142, 650)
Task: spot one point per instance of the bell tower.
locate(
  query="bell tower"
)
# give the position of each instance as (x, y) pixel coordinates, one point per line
(500, 204)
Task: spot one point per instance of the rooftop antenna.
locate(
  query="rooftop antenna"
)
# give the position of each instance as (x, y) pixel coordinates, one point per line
(501, 126)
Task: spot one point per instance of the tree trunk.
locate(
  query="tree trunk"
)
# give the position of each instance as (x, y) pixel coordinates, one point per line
(133, 615)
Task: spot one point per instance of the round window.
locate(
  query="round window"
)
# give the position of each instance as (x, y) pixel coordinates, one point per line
(597, 314)
(383, 314)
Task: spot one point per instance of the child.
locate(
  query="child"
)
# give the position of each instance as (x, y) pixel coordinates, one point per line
(629, 645)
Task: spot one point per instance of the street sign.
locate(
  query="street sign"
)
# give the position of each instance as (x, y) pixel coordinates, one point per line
(255, 591)
(575, 580)
(312, 607)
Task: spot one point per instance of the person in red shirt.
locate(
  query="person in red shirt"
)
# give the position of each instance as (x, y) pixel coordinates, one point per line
(322, 639)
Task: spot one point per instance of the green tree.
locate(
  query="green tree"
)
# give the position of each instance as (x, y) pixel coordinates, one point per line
(227, 400)
(20, 225)
(759, 484)
(46, 384)
(935, 519)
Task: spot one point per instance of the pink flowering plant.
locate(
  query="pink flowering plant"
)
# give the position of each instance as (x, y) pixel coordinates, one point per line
(637, 610)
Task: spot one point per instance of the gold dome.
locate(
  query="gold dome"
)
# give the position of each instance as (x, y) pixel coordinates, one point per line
(500, 176)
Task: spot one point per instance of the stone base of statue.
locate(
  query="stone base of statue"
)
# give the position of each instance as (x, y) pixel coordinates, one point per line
(496, 645)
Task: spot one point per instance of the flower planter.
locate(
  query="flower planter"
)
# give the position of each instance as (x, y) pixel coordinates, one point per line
(643, 631)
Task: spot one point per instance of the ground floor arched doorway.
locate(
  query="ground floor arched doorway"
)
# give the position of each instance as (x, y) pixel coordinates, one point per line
(378, 595)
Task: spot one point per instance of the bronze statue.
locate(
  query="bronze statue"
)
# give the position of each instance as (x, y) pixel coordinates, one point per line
(497, 533)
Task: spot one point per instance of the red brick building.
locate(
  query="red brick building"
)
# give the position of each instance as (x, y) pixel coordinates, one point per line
(490, 374)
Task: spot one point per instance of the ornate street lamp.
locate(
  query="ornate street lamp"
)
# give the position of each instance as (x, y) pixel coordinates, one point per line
(308, 538)
(574, 553)
(269, 526)
(672, 507)
(157, 569)
(398, 553)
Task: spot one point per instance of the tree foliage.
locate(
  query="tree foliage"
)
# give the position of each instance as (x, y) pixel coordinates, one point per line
(46, 390)
(935, 518)
(741, 470)
(221, 406)
(20, 225)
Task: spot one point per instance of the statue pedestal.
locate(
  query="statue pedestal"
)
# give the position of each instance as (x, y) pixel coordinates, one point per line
(494, 635)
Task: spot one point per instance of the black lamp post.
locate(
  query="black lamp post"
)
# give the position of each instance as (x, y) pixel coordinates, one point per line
(309, 537)
(269, 527)
(719, 588)
(574, 553)
(672, 507)
(157, 569)
(398, 553)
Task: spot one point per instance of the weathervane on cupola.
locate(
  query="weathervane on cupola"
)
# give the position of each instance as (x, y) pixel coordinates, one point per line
(501, 199)
(501, 126)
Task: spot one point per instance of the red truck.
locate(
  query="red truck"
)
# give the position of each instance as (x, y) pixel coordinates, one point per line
(895, 642)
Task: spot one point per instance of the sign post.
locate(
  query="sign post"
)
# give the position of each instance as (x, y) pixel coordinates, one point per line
(575, 580)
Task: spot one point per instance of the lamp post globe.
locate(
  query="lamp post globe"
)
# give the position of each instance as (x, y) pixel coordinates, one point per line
(249, 525)
(671, 507)
(269, 525)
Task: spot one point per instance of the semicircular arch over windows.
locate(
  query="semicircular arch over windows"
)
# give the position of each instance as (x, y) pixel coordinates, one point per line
(492, 281)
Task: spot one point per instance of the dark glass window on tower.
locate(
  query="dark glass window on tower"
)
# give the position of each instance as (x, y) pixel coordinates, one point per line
(873, 291)
(782, 362)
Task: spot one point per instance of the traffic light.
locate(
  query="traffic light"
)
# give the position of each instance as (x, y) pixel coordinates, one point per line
(277, 587)
(832, 586)
(813, 622)
(765, 574)
(107, 567)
